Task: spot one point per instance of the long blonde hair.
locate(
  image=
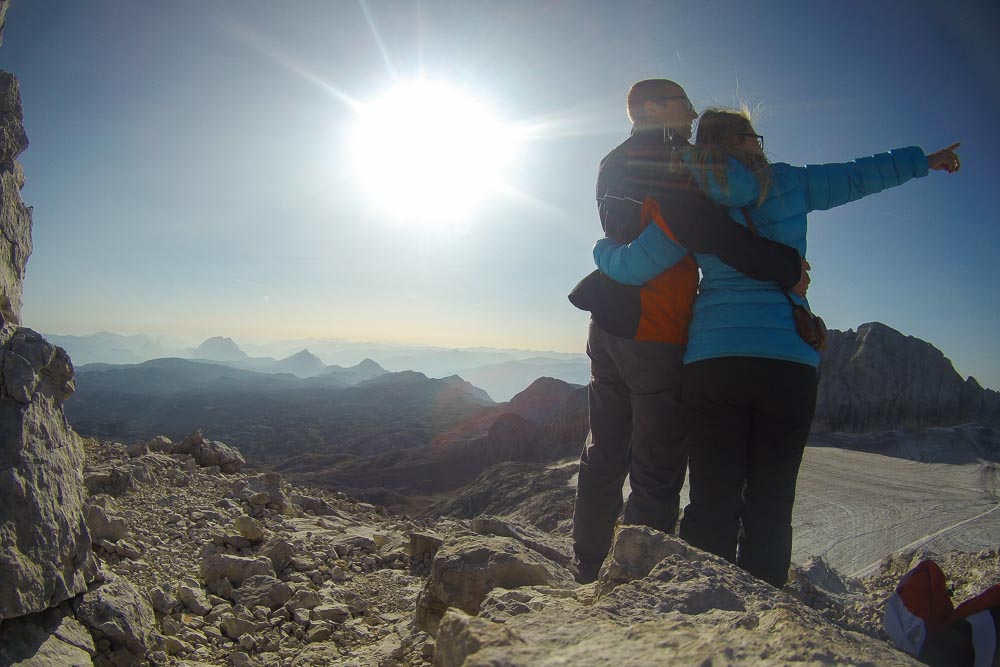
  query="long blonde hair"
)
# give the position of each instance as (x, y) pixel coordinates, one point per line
(718, 139)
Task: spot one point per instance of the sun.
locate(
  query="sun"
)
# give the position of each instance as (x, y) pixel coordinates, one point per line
(429, 153)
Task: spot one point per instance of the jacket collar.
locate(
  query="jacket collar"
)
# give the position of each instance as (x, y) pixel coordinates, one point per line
(658, 134)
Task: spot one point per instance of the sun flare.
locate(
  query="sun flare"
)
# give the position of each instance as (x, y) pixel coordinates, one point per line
(430, 153)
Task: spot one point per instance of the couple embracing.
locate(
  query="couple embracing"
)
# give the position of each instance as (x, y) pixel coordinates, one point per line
(720, 376)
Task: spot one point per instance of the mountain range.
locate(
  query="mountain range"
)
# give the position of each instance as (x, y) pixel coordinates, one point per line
(392, 437)
(499, 372)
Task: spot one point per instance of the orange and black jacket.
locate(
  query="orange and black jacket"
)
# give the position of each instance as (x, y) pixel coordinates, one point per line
(636, 187)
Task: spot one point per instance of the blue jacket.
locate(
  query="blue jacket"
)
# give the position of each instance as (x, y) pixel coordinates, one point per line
(735, 315)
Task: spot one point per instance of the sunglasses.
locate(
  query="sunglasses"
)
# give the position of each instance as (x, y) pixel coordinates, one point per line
(687, 102)
(758, 137)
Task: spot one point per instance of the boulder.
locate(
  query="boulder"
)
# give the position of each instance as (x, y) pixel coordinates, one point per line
(47, 639)
(116, 611)
(214, 453)
(161, 444)
(279, 551)
(313, 505)
(235, 627)
(267, 490)
(262, 591)
(635, 552)
(248, 527)
(331, 612)
(461, 635)
(424, 544)
(137, 449)
(45, 547)
(464, 571)
(102, 526)
(186, 445)
(234, 568)
(529, 536)
(193, 597)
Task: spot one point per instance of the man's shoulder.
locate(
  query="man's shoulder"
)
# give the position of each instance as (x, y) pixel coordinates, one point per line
(617, 153)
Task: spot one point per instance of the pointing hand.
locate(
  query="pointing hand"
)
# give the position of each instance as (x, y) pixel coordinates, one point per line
(945, 159)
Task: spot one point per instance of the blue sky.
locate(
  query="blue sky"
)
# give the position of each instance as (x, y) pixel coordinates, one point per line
(191, 173)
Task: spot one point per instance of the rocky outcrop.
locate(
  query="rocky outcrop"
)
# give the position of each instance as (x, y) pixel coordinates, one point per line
(45, 547)
(121, 621)
(15, 217)
(876, 379)
(466, 570)
(658, 601)
(211, 453)
(532, 493)
(342, 588)
(50, 638)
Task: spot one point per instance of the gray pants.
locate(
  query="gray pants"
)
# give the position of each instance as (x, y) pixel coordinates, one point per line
(637, 428)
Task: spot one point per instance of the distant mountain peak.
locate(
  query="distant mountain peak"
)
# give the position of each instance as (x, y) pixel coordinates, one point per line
(303, 354)
(220, 348)
(877, 378)
(468, 388)
(541, 399)
(302, 364)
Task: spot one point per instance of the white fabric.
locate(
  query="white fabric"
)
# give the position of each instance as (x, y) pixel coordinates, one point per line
(984, 637)
(906, 629)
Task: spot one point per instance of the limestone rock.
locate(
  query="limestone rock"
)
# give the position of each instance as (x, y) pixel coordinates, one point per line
(305, 598)
(161, 444)
(264, 591)
(313, 505)
(124, 476)
(464, 571)
(116, 611)
(137, 449)
(46, 639)
(102, 526)
(249, 528)
(685, 609)
(193, 597)
(634, 553)
(15, 217)
(461, 635)
(424, 544)
(234, 568)
(45, 547)
(214, 453)
(267, 490)
(336, 613)
(529, 536)
(279, 551)
(879, 379)
(235, 627)
(186, 445)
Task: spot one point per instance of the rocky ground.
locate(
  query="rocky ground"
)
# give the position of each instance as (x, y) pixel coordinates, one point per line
(205, 567)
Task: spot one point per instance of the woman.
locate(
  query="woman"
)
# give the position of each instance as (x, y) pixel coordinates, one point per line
(750, 379)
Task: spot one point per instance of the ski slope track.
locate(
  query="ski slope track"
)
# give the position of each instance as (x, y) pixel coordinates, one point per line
(853, 508)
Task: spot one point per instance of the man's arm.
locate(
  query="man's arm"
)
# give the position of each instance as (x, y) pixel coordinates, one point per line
(702, 226)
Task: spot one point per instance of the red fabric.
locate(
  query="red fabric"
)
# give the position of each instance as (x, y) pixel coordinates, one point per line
(924, 592)
(988, 599)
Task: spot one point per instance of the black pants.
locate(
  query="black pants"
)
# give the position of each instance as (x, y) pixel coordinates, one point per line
(636, 429)
(749, 420)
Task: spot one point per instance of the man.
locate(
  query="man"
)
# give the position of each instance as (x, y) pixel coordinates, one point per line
(636, 421)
